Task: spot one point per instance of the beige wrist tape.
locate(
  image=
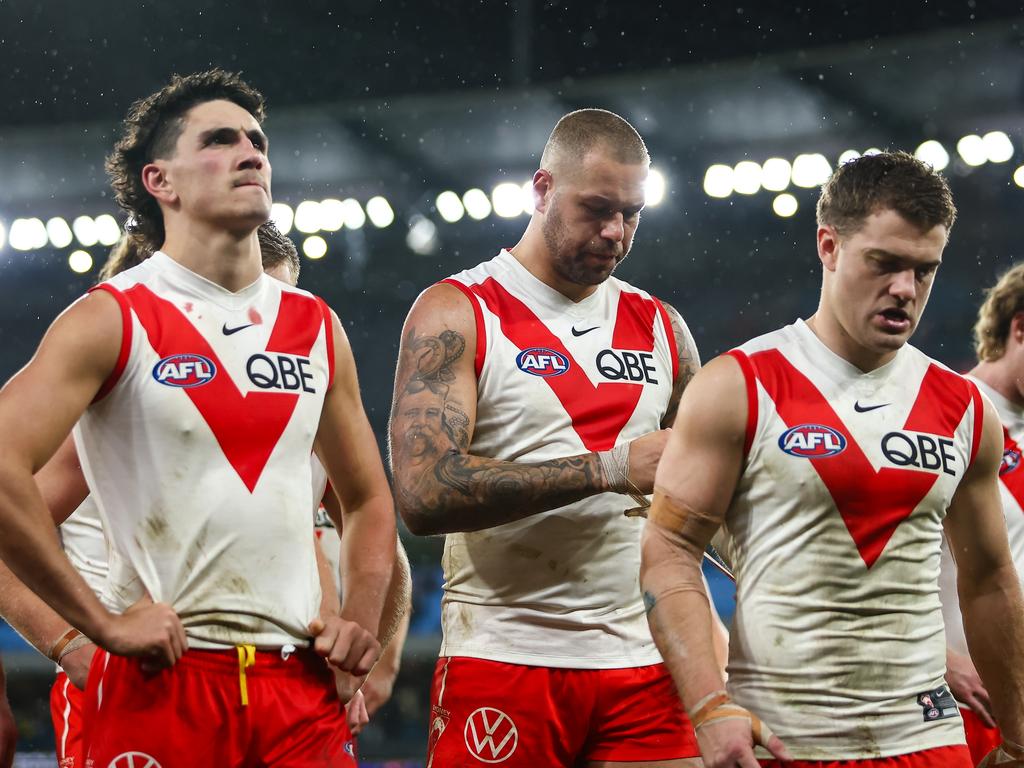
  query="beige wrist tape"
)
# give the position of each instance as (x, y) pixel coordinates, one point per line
(694, 526)
(717, 706)
(57, 649)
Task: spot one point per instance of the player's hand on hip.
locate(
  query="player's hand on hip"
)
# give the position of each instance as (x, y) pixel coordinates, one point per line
(1006, 755)
(346, 645)
(729, 743)
(644, 455)
(967, 687)
(148, 630)
(76, 665)
(356, 714)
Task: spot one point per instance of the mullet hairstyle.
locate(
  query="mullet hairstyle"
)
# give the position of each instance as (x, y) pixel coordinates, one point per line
(1003, 302)
(151, 131)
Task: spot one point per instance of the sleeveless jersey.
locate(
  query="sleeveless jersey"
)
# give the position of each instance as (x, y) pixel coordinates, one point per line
(555, 379)
(197, 452)
(1011, 491)
(85, 544)
(835, 527)
(327, 536)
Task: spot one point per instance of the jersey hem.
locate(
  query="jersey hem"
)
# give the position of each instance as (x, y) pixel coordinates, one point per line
(555, 662)
(891, 750)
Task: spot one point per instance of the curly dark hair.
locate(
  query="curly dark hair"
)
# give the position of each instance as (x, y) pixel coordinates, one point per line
(277, 248)
(895, 180)
(151, 131)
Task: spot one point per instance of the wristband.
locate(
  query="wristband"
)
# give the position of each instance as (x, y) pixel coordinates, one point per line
(57, 649)
(76, 643)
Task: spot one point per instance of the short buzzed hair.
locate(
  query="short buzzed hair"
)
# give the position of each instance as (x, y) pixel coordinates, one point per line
(1003, 302)
(579, 132)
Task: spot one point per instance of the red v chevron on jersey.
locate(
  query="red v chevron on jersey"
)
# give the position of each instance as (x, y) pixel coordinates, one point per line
(598, 412)
(247, 427)
(871, 502)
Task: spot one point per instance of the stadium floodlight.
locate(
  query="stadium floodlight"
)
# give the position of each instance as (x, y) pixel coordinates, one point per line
(872, 151)
(718, 181)
(449, 206)
(85, 231)
(282, 215)
(811, 170)
(315, 247)
(507, 199)
(59, 232)
(80, 261)
(422, 235)
(933, 153)
(108, 231)
(776, 174)
(528, 203)
(847, 156)
(332, 215)
(654, 188)
(478, 205)
(785, 205)
(1018, 178)
(307, 217)
(998, 147)
(972, 150)
(355, 217)
(746, 177)
(27, 234)
(379, 210)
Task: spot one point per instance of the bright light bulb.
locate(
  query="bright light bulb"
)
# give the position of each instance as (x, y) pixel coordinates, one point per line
(28, 234)
(998, 146)
(85, 231)
(528, 204)
(108, 231)
(811, 170)
(307, 216)
(507, 199)
(380, 212)
(59, 232)
(785, 205)
(775, 174)
(972, 150)
(718, 181)
(422, 235)
(449, 206)
(654, 187)
(1018, 179)
(933, 153)
(478, 205)
(314, 247)
(746, 177)
(355, 217)
(80, 262)
(848, 155)
(332, 215)
(282, 216)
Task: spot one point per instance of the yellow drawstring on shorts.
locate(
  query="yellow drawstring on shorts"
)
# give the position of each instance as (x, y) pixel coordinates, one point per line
(246, 658)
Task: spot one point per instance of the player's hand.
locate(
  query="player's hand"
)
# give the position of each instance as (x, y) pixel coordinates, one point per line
(355, 713)
(377, 688)
(8, 733)
(1006, 755)
(346, 645)
(76, 665)
(644, 455)
(967, 687)
(151, 631)
(730, 744)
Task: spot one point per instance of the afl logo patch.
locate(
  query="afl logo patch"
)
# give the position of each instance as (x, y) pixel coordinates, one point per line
(538, 361)
(184, 370)
(812, 441)
(1011, 460)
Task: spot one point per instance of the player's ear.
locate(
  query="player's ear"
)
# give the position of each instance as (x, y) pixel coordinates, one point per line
(157, 183)
(543, 189)
(828, 246)
(1017, 327)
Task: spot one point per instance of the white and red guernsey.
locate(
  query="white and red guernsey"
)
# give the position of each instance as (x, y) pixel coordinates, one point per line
(557, 378)
(197, 451)
(1011, 490)
(836, 524)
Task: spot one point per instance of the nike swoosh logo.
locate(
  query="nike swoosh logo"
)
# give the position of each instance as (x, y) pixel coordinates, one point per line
(228, 331)
(865, 408)
(585, 330)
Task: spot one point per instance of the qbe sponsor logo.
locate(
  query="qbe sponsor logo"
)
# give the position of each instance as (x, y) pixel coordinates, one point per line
(812, 441)
(491, 736)
(540, 361)
(184, 371)
(134, 760)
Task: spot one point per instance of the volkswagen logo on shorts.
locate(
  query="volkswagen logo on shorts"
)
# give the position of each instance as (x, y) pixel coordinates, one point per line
(491, 736)
(812, 441)
(134, 760)
(539, 361)
(184, 371)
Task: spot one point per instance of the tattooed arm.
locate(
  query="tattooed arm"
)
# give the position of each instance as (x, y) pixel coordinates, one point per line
(439, 486)
(689, 361)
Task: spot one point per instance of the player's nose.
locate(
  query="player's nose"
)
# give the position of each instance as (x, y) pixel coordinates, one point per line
(904, 285)
(614, 228)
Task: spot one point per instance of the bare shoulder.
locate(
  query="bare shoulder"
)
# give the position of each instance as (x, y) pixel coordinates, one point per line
(88, 332)
(715, 402)
(443, 305)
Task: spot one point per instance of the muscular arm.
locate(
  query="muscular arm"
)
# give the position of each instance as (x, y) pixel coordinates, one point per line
(988, 584)
(688, 360)
(346, 445)
(440, 487)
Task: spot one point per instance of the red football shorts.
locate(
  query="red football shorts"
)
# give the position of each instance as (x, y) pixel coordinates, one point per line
(941, 757)
(193, 714)
(980, 738)
(524, 717)
(66, 702)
